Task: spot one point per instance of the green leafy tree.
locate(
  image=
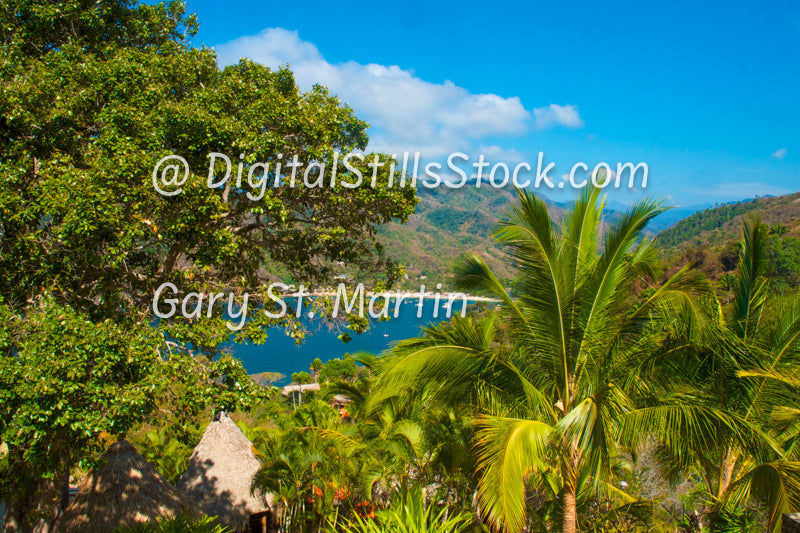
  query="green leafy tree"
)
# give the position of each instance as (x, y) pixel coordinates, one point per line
(301, 378)
(69, 385)
(315, 367)
(168, 455)
(551, 399)
(93, 95)
(87, 115)
(783, 263)
(324, 467)
(301, 466)
(339, 369)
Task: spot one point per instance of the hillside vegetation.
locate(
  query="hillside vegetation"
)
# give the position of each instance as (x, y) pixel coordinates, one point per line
(709, 238)
(448, 223)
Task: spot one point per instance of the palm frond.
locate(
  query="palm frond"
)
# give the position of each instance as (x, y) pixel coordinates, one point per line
(684, 425)
(775, 484)
(508, 449)
(454, 361)
(750, 292)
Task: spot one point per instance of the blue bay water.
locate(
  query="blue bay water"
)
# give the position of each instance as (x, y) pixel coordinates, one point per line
(281, 354)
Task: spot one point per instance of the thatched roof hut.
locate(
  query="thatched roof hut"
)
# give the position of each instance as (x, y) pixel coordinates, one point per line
(220, 473)
(124, 491)
(791, 523)
(300, 388)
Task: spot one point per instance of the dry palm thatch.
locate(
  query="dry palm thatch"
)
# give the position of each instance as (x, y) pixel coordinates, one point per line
(220, 474)
(124, 491)
(300, 388)
(791, 523)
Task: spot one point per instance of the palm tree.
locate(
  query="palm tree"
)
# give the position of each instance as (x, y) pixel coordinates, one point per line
(409, 513)
(779, 229)
(551, 372)
(743, 368)
(727, 282)
(299, 464)
(406, 441)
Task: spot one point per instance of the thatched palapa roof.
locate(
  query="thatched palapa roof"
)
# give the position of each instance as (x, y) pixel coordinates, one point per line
(300, 388)
(124, 491)
(791, 523)
(220, 473)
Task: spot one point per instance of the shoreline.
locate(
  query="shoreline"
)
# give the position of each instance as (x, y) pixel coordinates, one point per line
(443, 296)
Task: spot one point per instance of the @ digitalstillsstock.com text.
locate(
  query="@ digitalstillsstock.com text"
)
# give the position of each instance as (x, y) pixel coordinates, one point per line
(457, 170)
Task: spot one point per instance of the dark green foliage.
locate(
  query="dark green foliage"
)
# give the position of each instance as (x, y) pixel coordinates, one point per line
(339, 369)
(87, 113)
(63, 381)
(92, 95)
(68, 386)
(301, 377)
(179, 524)
(409, 513)
(712, 218)
(783, 262)
(736, 520)
(449, 219)
(168, 455)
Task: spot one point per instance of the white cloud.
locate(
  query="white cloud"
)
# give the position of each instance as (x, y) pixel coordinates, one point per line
(557, 115)
(406, 113)
(496, 154)
(779, 154)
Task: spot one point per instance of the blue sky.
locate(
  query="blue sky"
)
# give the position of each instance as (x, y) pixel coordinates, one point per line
(705, 93)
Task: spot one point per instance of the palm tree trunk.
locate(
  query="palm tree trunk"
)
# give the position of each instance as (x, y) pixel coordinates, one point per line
(37, 500)
(726, 472)
(569, 475)
(13, 518)
(570, 520)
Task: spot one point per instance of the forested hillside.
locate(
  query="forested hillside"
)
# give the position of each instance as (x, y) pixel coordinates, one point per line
(446, 224)
(709, 238)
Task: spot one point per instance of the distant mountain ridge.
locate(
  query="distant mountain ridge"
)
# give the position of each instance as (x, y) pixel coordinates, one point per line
(451, 222)
(708, 239)
(672, 216)
(716, 225)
